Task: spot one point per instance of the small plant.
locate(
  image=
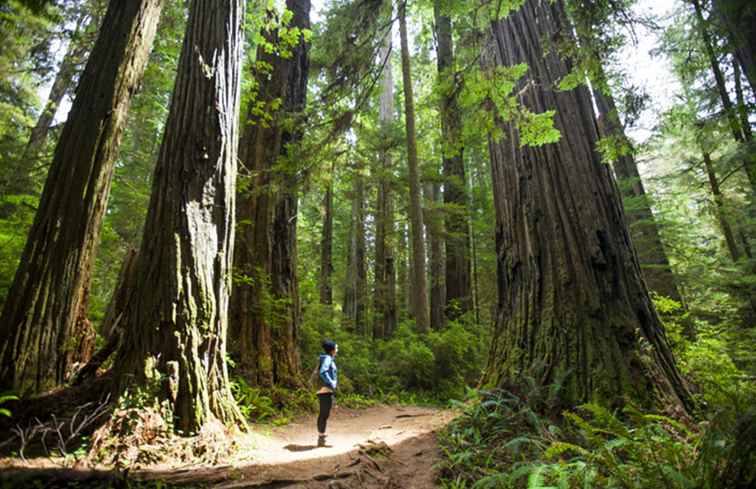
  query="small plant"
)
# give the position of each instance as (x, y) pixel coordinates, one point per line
(3, 399)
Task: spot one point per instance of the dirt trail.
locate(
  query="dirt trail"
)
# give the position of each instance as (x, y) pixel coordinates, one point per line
(377, 447)
(386, 447)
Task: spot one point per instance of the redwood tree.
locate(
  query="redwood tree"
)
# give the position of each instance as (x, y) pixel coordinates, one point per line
(457, 225)
(326, 246)
(385, 273)
(47, 300)
(177, 316)
(265, 305)
(418, 287)
(355, 282)
(571, 298)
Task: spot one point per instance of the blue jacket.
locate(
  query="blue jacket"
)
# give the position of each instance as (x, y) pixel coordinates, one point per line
(328, 375)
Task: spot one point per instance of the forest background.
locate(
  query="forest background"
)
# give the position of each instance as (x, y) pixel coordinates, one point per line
(685, 181)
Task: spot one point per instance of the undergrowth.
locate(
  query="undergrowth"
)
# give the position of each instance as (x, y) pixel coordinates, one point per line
(521, 438)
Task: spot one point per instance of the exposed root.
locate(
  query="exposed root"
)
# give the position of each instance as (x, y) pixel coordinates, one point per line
(142, 436)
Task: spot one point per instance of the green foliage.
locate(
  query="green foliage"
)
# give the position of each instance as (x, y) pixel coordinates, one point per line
(272, 405)
(518, 438)
(3, 399)
(502, 442)
(439, 364)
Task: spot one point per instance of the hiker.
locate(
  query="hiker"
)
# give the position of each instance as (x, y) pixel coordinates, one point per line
(327, 376)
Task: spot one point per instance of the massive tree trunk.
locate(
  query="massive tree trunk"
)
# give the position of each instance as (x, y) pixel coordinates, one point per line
(739, 19)
(355, 282)
(265, 305)
(326, 247)
(385, 275)
(640, 218)
(435, 227)
(418, 287)
(177, 317)
(571, 298)
(458, 283)
(48, 295)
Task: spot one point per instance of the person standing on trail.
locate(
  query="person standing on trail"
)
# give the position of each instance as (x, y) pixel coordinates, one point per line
(328, 381)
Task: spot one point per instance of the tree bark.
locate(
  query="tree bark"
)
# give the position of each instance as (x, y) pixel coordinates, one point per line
(177, 317)
(457, 227)
(419, 287)
(265, 306)
(48, 295)
(572, 304)
(385, 274)
(112, 329)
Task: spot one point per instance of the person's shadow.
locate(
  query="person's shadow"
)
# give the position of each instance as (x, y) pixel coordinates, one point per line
(293, 447)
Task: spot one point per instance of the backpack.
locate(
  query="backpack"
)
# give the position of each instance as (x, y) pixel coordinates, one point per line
(314, 380)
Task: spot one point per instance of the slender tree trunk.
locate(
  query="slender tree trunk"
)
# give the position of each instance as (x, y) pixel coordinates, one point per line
(419, 287)
(48, 295)
(19, 180)
(435, 228)
(265, 305)
(61, 86)
(474, 254)
(572, 302)
(177, 318)
(640, 218)
(730, 112)
(385, 275)
(717, 71)
(355, 283)
(457, 228)
(724, 224)
(326, 247)
(739, 19)
(402, 274)
(742, 106)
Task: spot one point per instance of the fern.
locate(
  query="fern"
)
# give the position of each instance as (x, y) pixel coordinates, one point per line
(3, 399)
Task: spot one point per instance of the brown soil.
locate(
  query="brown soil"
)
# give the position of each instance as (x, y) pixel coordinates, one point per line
(387, 447)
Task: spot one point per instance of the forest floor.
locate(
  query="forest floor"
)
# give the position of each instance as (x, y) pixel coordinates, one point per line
(384, 446)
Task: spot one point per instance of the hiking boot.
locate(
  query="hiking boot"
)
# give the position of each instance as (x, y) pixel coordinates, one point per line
(321, 440)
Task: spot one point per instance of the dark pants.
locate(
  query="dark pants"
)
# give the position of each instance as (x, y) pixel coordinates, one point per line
(326, 401)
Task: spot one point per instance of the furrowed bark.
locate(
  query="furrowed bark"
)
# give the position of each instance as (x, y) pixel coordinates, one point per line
(265, 306)
(48, 295)
(176, 320)
(572, 304)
